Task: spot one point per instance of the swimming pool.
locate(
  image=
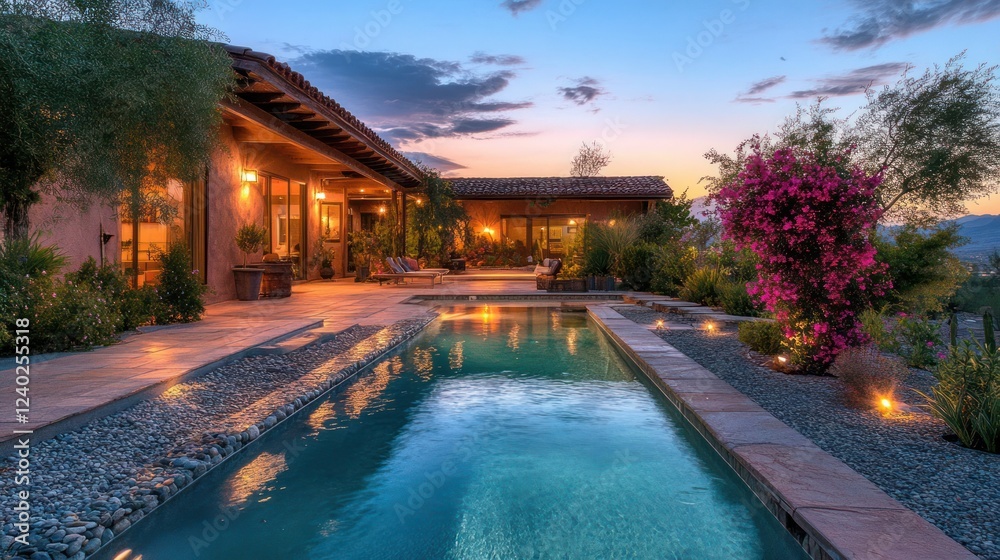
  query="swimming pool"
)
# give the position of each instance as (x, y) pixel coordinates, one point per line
(500, 432)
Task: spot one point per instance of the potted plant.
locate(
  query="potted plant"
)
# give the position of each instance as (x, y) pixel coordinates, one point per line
(323, 258)
(364, 248)
(249, 238)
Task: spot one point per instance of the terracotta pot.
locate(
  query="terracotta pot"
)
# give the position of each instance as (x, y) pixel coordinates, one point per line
(248, 282)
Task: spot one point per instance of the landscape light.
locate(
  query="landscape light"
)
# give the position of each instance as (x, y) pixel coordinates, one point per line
(659, 324)
(321, 195)
(886, 405)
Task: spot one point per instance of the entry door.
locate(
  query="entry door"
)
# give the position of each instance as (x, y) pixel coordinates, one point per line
(285, 223)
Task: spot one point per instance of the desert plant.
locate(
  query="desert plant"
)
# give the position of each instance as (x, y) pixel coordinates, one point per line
(764, 337)
(967, 396)
(613, 238)
(180, 289)
(869, 375)
(704, 286)
(250, 238)
(735, 299)
(919, 339)
(875, 325)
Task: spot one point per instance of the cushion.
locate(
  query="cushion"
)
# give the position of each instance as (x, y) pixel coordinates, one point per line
(412, 264)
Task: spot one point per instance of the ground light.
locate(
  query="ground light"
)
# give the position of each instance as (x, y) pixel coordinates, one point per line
(885, 405)
(659, 324)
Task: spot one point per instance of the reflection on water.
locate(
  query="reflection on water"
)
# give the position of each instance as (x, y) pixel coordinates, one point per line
(254, 477)
(369, 387)
(456, 357)
(423, 360)
(571, 341)
(513, 338)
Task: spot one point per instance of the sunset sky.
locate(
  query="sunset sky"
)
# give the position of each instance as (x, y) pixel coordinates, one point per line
(512, 88)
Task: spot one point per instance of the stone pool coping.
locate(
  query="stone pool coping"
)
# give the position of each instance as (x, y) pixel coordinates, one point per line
(834, 512)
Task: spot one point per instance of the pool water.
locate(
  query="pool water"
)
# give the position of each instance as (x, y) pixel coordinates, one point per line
(499, 433)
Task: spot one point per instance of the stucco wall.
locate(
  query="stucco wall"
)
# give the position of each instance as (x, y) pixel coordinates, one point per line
(75, 226)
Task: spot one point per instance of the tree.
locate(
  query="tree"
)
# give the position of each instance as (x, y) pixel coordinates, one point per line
(935, 139)
(435, 218)
(811, 225)
(590, 160)
(923, 271)
(105, 98)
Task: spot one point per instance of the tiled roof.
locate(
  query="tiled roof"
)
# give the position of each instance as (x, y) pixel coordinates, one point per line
(562, 187)
(299, 81)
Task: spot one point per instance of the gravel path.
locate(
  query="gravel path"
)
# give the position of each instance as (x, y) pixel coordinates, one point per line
(955, 488)
(91, 483)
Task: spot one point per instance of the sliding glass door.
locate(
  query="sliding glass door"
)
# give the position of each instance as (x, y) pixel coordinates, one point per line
(285, 223)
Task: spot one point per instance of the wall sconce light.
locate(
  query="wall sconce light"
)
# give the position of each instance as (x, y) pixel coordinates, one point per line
(249, 176)
(381, 209)
(321, 195)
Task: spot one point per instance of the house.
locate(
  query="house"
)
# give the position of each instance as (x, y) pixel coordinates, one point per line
(297, 162)
(292, 159)
(542, 215)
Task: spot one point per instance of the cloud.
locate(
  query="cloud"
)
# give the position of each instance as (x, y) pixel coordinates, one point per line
(497, 60)
(760, 87)
(853, 82)
(443, 165)
(882, 21)
(518, 6)
(586, 90)
(752, 95)
(411, 99)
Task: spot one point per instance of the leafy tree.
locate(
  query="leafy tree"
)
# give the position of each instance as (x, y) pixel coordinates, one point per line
(590, 160)
(104, 97)
(923, 272)
(934, 138)
(668, 221)
(435, 219)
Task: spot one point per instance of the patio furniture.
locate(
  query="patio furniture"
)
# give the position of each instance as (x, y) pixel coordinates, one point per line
(546, 272)
(398, 274)
(567, 285)
(411, 265)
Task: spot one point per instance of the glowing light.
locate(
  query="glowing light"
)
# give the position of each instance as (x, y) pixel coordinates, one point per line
(782, 359)
(572, 222)
(381, 209)
(659, 324)
(710, 327)
(245, 192)
(321, 195)
(611, 223)
(249, 176)
(123, 554)
(886, 405)
(419, 201)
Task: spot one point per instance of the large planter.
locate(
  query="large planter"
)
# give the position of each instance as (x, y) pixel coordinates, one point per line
(277, 281)
(362, 273)
(248, 282)
(601, 283)
(326, 272)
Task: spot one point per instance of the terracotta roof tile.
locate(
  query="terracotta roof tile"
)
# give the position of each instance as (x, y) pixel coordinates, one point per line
(562, 187)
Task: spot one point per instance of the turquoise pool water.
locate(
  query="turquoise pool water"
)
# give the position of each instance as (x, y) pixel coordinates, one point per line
(499, 433)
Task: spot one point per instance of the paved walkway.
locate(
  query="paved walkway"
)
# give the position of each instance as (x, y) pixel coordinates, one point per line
(69, 388)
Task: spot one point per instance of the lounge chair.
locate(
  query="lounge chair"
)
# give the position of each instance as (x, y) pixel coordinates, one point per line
(411, 265)
(398, 274)
(546, 272)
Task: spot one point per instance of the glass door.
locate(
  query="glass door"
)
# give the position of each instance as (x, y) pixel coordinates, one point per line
(284, 221)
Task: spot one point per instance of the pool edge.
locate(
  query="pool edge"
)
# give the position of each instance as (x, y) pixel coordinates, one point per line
(831, 510)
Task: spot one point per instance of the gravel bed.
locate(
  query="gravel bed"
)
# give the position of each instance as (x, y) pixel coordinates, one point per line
(93, 482)
(955, 488)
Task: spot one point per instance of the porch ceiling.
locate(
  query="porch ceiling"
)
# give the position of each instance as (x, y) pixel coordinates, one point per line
(275, 105)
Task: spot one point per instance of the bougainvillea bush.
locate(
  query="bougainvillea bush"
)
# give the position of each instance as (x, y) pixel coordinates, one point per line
(809, 218)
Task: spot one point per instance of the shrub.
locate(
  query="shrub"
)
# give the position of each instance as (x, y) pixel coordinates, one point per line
(73, 317)
(868, 375)
(737, 301)
(27, 269)
(875, 325)
(673, 263)
(637, 263)
(139, 307)
(764, 337)
(180, 289)
(967, 396)
(924, 272)
(918, 340)
(704, 286)
(136, 307)
(810, 220)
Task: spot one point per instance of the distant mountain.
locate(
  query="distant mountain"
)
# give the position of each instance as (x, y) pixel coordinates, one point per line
(983, 233)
